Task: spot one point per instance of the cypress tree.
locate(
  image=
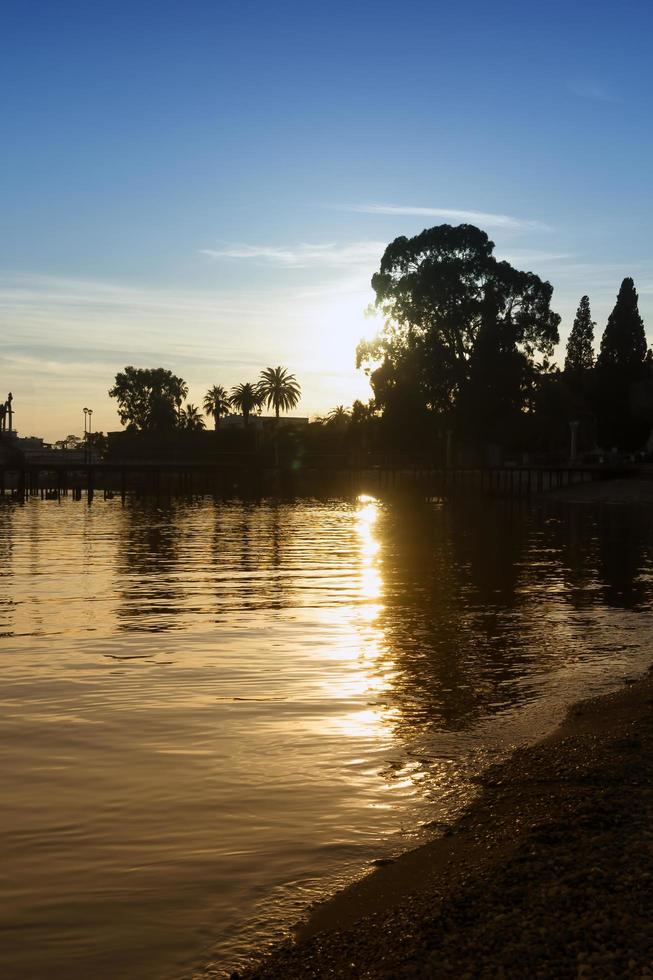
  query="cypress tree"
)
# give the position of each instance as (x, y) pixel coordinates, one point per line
(622, 364)
(623, 345)
(580, 351)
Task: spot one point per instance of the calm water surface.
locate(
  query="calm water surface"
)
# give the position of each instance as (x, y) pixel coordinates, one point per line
(213, 713)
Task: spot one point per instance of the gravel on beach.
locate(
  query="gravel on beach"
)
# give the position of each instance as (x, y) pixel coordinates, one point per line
(548, 874)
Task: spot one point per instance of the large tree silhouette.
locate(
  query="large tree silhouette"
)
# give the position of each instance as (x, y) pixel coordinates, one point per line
(149, 399)
(622, 368)
(463, 332)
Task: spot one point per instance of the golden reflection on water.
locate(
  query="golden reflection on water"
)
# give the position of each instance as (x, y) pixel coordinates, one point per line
(209, 708)
(370, 582)
(364, 645)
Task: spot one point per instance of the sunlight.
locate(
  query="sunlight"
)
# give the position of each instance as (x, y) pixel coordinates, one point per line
(370, 611)
(366, 724)
(366, 516)
(370, 585)
(341, 323)
(362, 646)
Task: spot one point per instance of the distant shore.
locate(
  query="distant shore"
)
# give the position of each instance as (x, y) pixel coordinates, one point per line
(548, 874)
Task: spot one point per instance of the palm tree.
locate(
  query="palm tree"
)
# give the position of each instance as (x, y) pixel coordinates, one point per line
(278, 389)
(216, 403)
(246, 399)
(179, 391)
(339, 415)
(190, 419)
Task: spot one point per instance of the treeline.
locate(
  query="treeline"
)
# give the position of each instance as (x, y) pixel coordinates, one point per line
(463, 367)
(151, 400)
(465, 356)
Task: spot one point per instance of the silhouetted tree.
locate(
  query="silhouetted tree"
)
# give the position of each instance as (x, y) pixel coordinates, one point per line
(567, 396)
(278, 389)
(624, 342)
(621, 367)
(149, 399)
(190, 419)
(443, 294)
(97, 444)
(246, 399)
(579, 358)
(363, 411)
(498, 377)
(216, 403)
(364, 425)
(70, 442)
(339, 416)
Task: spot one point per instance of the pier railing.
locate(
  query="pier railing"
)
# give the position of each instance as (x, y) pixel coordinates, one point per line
(247, 478)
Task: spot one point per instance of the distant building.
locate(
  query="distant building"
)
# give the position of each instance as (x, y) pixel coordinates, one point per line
(35, 450)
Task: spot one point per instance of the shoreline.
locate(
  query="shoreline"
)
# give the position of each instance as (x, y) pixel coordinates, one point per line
(549, 872)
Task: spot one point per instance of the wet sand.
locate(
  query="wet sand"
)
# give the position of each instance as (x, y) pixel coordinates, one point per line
(548, 874)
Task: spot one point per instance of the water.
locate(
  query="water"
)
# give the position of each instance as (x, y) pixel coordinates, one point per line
(213, 713)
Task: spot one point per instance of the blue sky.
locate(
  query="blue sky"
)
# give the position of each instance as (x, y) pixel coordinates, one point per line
(209, 186)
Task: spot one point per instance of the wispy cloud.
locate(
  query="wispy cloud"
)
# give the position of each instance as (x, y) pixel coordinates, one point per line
(20, 291)
(484, 218)
(590, 88)
(65, 338)
(304, 255)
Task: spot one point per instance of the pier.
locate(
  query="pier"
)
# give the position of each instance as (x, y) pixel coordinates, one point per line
(250, 477)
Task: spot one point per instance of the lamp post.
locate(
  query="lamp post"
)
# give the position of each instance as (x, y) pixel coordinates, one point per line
(85, 434)
(90, 429)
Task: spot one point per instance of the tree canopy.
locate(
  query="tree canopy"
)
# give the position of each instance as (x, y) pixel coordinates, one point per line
(622, 370)
(245, 397)
(190, 419)
(623, 344)
(339, 416)
(149, 399)
(216, 403)
(579, 358)
(278, 389)
(458, 324)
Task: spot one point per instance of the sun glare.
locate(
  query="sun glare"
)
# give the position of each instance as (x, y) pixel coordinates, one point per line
(341, 323)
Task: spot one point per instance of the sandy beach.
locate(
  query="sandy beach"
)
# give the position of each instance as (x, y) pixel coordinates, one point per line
(548, 874)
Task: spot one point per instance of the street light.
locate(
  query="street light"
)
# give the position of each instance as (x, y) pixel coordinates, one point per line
(85, 435)
(90, 448)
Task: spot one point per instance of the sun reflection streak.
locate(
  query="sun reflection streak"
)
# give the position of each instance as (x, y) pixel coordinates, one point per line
(370, 578)
(369, 676)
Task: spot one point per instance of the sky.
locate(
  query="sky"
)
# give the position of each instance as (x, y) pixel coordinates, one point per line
(209, 186)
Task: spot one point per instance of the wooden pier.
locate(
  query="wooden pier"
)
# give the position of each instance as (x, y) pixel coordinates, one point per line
(248, 479)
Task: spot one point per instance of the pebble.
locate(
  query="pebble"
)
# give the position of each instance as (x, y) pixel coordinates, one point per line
(572, 897)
